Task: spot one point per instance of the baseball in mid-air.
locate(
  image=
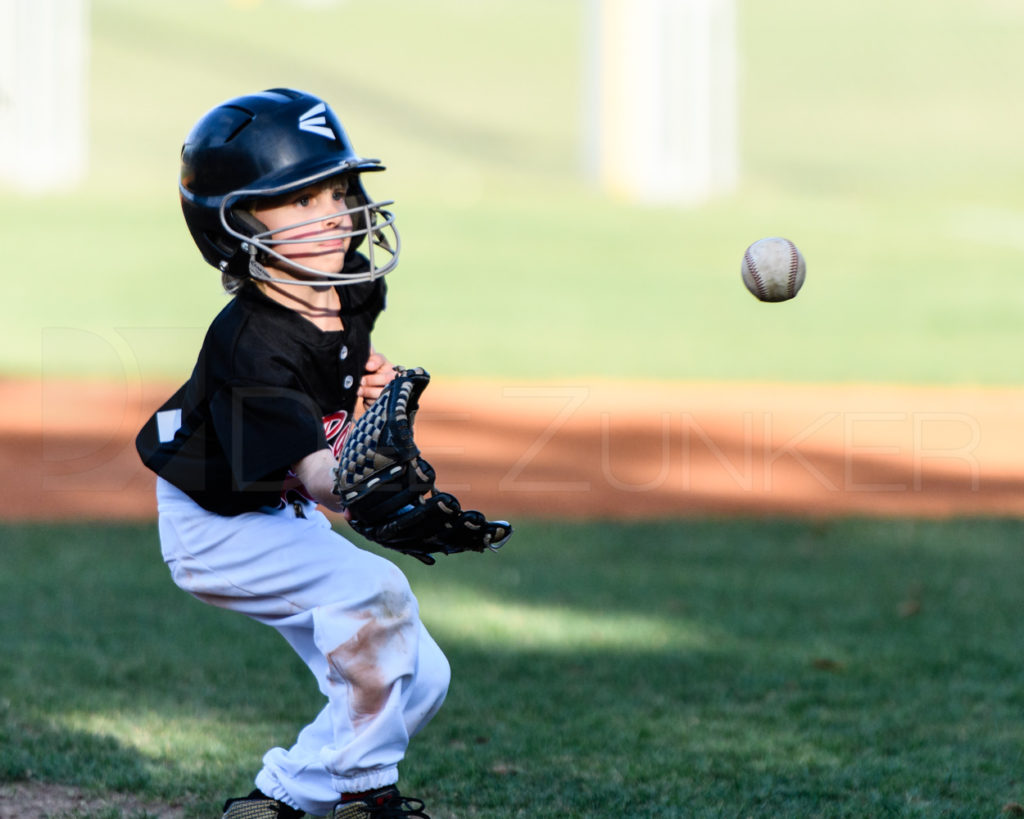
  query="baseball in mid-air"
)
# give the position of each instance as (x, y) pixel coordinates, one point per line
(773, 269)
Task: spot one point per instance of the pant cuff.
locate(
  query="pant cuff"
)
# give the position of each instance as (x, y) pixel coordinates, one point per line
(268, 784)
(366, 781)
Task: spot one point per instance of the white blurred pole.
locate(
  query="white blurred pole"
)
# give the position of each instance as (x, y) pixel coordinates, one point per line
(661, 99)
(43, 82)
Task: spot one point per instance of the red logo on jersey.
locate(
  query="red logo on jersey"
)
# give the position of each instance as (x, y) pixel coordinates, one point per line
(336, 429)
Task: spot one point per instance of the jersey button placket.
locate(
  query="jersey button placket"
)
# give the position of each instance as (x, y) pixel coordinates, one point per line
(349, 379)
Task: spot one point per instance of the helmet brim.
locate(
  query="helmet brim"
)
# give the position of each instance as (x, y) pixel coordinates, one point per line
(291, 179)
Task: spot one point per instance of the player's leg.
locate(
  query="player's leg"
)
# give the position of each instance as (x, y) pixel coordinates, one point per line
(323, 762)
(298, 773)
(349, 614)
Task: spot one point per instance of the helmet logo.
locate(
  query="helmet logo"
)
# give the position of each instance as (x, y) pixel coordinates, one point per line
(315, 122)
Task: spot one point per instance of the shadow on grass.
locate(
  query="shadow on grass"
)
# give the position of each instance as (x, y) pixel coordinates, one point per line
(843, 669)
(30, 748)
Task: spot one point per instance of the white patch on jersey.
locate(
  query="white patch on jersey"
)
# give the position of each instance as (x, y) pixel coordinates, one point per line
(314, 122)
(167, 423)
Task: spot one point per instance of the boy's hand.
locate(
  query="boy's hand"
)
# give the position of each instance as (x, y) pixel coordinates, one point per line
(379, 373)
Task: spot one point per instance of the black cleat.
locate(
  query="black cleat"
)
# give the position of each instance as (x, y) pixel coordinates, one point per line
(257, 805)
(386, 803)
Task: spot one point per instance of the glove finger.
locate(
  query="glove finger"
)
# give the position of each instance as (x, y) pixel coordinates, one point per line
(420, 522)
(483, 533)
(386, 535)
(470, 531)
(404, 487)
(472, 520)
(498, 533)
(447, 504)
(423, 474)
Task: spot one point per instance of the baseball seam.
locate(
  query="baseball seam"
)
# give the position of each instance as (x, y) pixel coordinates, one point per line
(755, 274)
(794, 268)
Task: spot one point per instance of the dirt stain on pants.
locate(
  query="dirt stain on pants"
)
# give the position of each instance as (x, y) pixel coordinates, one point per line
(367, 662)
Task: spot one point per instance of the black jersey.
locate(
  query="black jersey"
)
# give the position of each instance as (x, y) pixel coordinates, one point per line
(268, 388)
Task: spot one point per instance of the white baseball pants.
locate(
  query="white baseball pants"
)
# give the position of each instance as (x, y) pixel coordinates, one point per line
(351, 617)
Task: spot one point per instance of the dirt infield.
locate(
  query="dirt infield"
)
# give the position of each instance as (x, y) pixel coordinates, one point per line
(585, 450)
(43, 800)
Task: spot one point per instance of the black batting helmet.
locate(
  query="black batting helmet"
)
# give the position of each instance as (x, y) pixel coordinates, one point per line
(261, 146)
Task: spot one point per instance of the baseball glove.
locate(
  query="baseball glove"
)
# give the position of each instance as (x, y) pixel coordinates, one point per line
(388, 488)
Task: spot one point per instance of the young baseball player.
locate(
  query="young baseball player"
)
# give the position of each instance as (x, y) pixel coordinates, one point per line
(272, 193)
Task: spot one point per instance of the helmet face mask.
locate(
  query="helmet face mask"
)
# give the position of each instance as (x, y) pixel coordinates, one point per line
(367, 218)
(261, 147)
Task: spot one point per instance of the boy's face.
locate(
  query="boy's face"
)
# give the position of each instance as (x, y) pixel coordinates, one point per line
(324, 240)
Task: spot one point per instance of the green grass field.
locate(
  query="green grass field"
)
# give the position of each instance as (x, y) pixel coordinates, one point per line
(723, 669)
(881, 137)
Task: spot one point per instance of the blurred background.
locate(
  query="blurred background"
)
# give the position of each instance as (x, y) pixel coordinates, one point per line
(555, 245)
(883, 138)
